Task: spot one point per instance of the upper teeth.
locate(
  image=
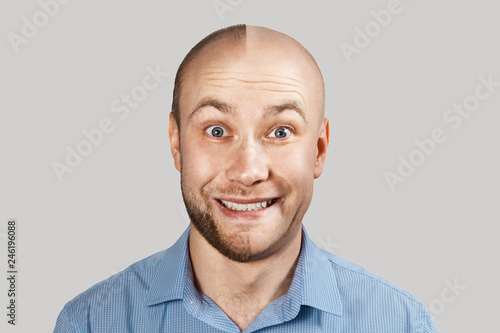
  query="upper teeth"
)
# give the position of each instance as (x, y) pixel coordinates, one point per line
(247, 207)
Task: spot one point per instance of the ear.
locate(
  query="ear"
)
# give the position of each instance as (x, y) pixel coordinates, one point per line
(173, 136)
(321, 148)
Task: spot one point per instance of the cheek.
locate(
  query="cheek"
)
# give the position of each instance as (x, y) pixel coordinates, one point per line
(200, 162)
(301, 155)
(295, 164)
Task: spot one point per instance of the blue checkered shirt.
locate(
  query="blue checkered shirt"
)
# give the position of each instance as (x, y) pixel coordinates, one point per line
(328, 294)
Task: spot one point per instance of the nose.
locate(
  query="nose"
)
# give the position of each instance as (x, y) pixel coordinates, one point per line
(249, 164)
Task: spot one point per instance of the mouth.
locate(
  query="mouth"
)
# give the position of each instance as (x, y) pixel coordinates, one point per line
(247, 207)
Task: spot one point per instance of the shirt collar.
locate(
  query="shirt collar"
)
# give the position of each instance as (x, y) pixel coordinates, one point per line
(314, 278)
(168, 283)
(318, 277)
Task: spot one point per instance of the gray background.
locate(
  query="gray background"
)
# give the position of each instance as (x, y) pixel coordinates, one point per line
(123, 203)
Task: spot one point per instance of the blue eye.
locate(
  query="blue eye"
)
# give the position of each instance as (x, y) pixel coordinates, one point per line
(216, 131)
(280, 132)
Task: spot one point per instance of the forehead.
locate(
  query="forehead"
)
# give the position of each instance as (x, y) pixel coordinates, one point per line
(254, 71)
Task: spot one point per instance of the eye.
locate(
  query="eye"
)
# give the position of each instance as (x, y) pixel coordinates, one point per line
(280, 132)
(216, 131)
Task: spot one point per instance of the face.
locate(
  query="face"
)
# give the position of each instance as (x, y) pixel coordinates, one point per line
(252, 140)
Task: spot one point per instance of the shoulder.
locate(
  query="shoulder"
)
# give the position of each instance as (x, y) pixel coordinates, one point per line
(353, 278)
(135, 279)
(117, 293)
(366, 295)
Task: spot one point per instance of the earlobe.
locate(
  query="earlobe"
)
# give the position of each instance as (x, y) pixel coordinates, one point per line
(173, 136)
(322, 147)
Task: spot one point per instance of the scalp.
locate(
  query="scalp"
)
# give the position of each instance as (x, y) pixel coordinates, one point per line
(254, 43)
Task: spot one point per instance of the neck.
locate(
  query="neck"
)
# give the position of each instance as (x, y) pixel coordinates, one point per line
(242, 288)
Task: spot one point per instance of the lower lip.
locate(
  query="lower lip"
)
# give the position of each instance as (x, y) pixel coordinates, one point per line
(247, 215)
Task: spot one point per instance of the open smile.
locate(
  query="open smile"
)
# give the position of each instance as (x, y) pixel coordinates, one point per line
(247, 207)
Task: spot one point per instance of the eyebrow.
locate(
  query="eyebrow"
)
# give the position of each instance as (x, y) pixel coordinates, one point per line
(228, 109)
(290, 105)
(210, 101)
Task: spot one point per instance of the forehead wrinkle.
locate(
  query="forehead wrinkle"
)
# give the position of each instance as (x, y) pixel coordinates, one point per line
(253, 81)
(254, 78)
(301, 97)
(224, 73)
(253, 85)
(285, 89)
(270, 86)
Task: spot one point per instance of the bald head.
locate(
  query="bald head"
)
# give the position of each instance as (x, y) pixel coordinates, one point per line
(265, 48)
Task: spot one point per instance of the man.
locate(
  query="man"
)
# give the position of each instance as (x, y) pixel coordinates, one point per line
(248, 135)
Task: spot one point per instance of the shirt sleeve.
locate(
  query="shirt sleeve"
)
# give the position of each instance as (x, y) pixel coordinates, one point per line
(64, 323)
(428, 324)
